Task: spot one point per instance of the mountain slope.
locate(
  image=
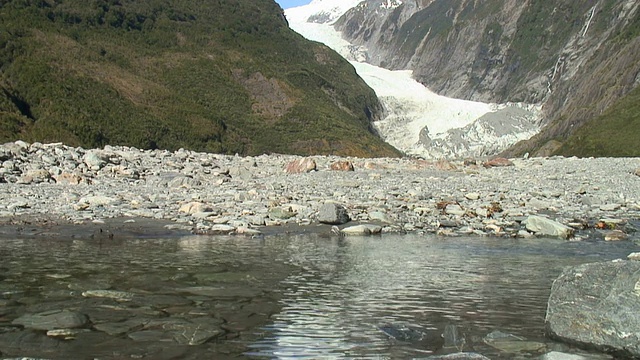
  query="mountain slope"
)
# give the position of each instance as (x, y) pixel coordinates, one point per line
(416, 120)
(221, 76)
(577, 58)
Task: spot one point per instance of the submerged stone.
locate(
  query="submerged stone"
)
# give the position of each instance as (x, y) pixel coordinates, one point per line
(402, 332)
(50, 320)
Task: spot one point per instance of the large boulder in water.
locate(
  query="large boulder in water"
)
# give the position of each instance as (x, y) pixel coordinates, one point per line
(597, 306)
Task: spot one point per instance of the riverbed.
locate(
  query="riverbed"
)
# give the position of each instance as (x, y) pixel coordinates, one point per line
(282, 296)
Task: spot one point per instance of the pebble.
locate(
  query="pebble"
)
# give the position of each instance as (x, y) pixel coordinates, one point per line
(202, 191)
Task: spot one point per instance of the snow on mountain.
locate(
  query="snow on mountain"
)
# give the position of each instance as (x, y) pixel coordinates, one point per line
(418, 121)
(321, 11)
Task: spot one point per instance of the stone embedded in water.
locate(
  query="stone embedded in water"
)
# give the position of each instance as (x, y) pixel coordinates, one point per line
(615, 235)
(634, 256)
(512, 344)
(402, 332)
(333, 214)
(66, 334)
(181, 331)
(556, 355)
(111, 294)
(547, 227)
(362, 230)
(456, 356)
(50, 320)
(453, 338)
(222, 228)
(119, 328)
(596, 305)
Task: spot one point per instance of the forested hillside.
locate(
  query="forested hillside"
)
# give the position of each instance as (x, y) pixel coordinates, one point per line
(224, 76)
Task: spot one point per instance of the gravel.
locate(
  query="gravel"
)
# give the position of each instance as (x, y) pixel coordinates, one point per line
(210, 193)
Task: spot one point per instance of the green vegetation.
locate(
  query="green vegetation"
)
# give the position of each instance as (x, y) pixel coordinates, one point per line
(224, 76)
(615, 133)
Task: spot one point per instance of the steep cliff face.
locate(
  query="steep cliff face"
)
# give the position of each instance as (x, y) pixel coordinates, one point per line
(577, 58)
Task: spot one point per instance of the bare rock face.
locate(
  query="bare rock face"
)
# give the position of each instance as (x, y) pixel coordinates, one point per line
(495, 51)
(301, 166)
(596, 305)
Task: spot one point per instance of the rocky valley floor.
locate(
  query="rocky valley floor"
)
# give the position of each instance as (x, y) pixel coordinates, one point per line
(118, 190)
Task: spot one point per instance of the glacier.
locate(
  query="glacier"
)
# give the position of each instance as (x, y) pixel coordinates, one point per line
(416, 120)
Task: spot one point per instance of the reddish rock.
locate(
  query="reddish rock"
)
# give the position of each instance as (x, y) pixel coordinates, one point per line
(420, 165)
(342, 166)
(301, 166)
(370, 165)
(498, 162)
(445, 165)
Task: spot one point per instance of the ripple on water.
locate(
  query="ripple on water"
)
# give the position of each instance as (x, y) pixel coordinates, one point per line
(283, 296)
(351, 292)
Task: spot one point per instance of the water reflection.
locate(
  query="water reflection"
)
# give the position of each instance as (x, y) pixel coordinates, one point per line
(351, 289)
(284, 297)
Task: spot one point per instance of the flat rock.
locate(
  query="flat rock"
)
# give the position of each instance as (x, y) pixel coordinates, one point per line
(610, 207)
(110, 294)
(50, 320)
(362, 230)
(498, 162)
(456, 356)
(616, 235)
(556, 355)
(221, 292)
(634, 256)
(595, 305)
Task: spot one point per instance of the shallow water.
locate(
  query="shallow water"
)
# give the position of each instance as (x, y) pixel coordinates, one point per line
(304, 296)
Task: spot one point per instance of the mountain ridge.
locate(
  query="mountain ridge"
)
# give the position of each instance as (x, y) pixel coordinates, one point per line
(222, 76)
(576, 58)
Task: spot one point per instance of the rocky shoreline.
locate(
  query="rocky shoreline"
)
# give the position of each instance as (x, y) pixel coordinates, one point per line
(184, 191)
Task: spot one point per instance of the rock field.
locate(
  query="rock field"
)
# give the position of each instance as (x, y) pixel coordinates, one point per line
(208, 193)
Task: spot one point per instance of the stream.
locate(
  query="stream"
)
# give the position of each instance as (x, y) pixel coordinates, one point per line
(281, 297)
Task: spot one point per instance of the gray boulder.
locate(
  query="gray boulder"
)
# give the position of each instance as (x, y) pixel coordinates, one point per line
(597, 306)
(333, 214)
(547, 227)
